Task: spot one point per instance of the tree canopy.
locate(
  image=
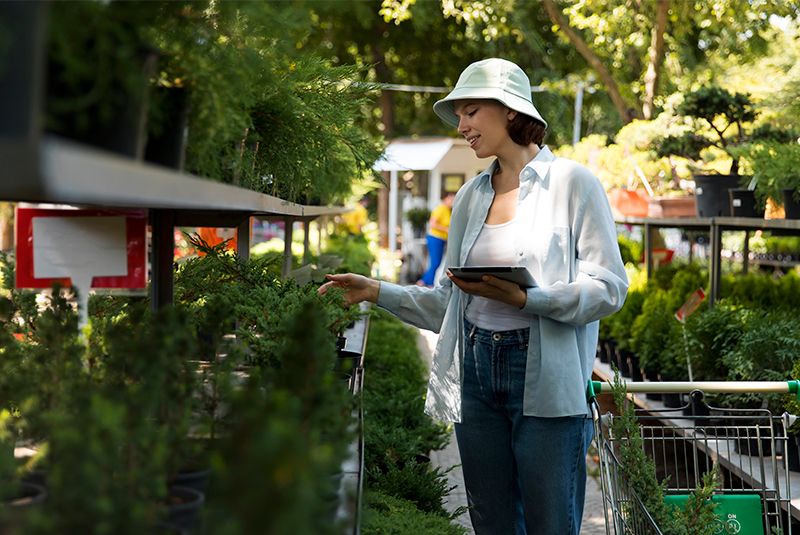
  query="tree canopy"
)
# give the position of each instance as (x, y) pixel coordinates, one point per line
(630, 55)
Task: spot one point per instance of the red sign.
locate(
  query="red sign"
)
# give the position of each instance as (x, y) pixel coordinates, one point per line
(690, 305)
(136, 248)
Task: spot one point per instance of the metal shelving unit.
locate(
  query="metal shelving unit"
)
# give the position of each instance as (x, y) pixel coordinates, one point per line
(715, 226)
(41, 168)
(59, 171)
(46, 169)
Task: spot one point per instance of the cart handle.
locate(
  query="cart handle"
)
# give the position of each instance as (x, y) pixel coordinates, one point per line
(721, 387)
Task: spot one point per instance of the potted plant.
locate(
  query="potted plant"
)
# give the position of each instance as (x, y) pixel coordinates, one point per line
(639, 471)
(18, 495)
(776, 173)
(99, 64)
(285, 437)
(418, 218)
(719, 119)
(627, 361)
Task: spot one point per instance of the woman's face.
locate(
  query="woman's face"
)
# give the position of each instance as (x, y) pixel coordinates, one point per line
(484, 124)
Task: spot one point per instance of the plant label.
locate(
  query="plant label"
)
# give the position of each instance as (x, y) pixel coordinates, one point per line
(690, 305)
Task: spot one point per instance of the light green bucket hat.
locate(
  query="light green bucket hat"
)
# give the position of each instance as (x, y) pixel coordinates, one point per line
(493, 78)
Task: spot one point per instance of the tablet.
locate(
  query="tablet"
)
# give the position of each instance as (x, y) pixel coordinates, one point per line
(518, 274)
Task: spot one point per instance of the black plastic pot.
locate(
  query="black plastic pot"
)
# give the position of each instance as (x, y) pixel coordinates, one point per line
(749, 446)
(743, 203)
(670, 400)
(711, 192)
(633, 367)
(610, 346)
(111, 114)
(621, 361)
(167, 132)
(790, 206)
(673, 401)
(651, 375)
(196, 479)
(23, 502)
(745, 444)
(37, 477)
(793, 452)
(695, 406)
(21, 74)
(183, 508)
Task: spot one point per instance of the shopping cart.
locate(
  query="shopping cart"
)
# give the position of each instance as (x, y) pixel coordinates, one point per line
(748, 446)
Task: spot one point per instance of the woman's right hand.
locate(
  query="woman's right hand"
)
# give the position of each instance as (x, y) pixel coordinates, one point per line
(357, 288)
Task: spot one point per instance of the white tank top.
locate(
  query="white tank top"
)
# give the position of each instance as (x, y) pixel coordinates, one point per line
(494, 246)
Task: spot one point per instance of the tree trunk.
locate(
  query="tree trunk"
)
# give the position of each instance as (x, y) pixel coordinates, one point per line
(383, 214)
(626, 112)
(384, 76)
(651, 77)
(387, 119)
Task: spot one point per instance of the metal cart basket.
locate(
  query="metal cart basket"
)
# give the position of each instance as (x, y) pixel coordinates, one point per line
(749, 446)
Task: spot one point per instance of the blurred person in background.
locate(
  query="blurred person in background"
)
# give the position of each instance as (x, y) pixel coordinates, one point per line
(436, 238)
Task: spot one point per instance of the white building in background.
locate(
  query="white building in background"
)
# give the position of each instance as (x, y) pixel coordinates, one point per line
(418, 171)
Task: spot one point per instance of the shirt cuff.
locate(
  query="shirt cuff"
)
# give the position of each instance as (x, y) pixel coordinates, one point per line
(537, 302)
(389, 295)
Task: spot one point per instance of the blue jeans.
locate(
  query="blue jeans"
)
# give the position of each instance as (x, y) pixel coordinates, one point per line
(435, 254)
(524, 475)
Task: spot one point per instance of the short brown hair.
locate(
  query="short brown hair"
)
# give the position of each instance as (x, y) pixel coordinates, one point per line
(525, 130)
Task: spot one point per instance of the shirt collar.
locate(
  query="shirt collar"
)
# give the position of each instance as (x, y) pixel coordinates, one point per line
(538, 166)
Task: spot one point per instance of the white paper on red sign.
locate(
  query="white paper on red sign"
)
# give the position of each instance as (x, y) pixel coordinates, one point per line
(79, 248)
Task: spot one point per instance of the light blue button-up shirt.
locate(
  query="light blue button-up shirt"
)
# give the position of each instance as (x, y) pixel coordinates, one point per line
(568, 241)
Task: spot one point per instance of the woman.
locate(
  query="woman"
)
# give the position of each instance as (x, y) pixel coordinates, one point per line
(511, 364)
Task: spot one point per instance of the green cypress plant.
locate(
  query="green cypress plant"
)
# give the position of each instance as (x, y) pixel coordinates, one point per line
(639, 472)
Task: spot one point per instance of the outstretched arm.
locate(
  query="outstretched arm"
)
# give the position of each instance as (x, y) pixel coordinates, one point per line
(357, 288)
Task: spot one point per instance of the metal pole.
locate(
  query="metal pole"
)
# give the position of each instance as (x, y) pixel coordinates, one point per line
(322, 222)
(243, 240)
(746, 253)
(715, 261)
(288, 223)
(306, 241)
(648, 249)
(392, 226)
(162, 224)
(576, 124)
(708, 387)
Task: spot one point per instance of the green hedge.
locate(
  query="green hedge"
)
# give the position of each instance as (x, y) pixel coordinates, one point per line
(405, 494)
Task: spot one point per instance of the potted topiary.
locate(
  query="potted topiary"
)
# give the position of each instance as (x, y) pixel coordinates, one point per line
(418, 218)
(775, 173)
(718, 119)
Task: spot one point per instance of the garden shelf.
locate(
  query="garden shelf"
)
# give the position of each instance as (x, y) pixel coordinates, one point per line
(728, 459)
(63, 172)
(352, 484)
(42, 168)
(59, 171)
(715, 226)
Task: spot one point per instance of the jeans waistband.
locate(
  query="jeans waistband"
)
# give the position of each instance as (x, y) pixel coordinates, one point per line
(514, 336)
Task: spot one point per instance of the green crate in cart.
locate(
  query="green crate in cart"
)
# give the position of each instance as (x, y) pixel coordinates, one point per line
(737, 514)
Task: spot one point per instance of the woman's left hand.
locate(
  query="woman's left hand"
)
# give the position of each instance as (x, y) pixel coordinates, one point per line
(493, 288)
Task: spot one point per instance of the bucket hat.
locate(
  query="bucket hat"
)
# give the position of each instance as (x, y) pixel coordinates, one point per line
(493, 78)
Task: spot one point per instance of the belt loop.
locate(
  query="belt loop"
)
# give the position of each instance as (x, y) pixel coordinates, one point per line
(472, 334)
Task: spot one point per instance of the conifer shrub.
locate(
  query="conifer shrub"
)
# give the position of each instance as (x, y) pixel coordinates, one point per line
(398, 435)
